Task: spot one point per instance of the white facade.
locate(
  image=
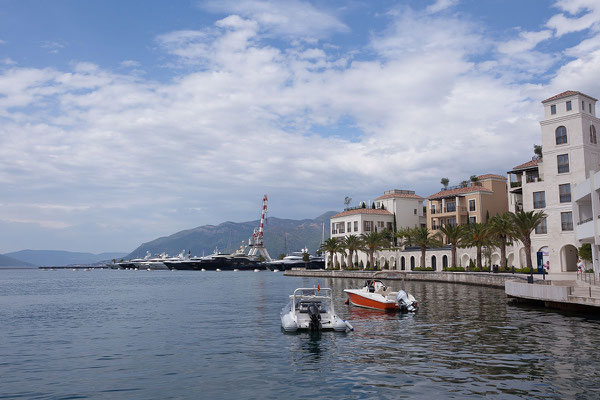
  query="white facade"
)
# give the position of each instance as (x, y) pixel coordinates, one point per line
(570, 154)
(405, 205)
(586, 213)
(402, 205)
(359, 221)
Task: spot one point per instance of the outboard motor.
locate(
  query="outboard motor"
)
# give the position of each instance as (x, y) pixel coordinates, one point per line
(406, 303)
(315, 318)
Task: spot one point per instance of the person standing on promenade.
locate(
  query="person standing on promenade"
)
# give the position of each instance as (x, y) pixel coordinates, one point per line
(579, 267)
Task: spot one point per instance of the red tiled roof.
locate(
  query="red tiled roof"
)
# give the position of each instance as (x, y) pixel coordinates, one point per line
(459, 191)
(362, 211)
(528, 164)
(567, 94)
(487, 176)
(400, 195)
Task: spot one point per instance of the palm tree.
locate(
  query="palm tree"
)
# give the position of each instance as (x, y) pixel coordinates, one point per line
(329, 246)
(477, 235)
(372, 242)
(421, 237)
(342, 250)
(525, 223)
(445, 182)
(454, 236)
(352, 243)
(503, 229)
(404, 234)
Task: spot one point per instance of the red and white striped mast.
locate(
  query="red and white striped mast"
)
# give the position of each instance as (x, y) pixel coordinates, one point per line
(256, 241)
(263, 216)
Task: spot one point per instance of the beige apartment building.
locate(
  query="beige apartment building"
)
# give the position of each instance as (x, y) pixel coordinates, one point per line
(473, 203)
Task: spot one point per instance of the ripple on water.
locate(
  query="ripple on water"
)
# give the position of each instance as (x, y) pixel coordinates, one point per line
(115, 334)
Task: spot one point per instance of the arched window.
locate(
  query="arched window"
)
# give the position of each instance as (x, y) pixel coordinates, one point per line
(433, 262)
(561, 135)
(593, 134)
(412, 262)
(402, 264)
(445, 261)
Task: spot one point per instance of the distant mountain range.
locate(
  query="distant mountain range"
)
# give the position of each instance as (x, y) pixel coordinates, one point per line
(281, 236)
(58, 257)
(6, 261)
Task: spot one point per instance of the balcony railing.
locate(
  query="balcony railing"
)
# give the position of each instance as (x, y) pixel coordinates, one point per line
(516, 184)
(532, 178)
(585, 220)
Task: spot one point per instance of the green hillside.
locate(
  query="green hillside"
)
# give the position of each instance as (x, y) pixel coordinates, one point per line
(279, 235)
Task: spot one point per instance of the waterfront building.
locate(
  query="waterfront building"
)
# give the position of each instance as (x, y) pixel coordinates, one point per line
(570, 155)
(402, 208)
(474, 202)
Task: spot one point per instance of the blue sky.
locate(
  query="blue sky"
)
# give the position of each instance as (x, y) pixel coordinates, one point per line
(122, 121)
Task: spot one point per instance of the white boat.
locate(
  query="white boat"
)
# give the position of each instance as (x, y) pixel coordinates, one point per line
(376, 295)
(312, 309)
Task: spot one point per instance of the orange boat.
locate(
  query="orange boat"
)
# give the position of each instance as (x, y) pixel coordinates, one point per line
(377, 296)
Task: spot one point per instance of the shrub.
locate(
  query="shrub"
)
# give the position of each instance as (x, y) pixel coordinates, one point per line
(455, 269)
(423, 269)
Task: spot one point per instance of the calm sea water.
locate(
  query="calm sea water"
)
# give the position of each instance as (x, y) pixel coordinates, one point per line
(163, 335)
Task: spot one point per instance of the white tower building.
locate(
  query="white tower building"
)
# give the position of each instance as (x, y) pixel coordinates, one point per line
(570, 154)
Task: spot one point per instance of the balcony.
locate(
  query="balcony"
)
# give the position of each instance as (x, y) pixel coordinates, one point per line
(516, 184)
(585, 229)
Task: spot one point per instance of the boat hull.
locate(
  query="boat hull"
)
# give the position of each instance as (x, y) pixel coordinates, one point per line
(368, 302)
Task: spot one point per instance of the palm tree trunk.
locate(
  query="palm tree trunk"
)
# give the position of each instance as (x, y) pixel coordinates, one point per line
(371, 259)
(423, 250)
(349, 259)
(478, 257)
(528, 254)
(503, 254)
(453, 255)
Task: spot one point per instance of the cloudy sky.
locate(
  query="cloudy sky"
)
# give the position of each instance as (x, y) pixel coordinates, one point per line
(122, 121)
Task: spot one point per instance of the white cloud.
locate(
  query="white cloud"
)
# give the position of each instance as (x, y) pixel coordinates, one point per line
(291, 18)
(527, 41)
(52, 47)
(580, 15)
(441, 5)
(130, 64)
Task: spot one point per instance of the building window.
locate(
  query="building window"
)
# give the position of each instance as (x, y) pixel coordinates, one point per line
(415, 211)
(541, 228)
(590, 107)
(553, 109)
(472, 205)
(563, 163)
(472, 220)
(389, 226)
(539, 199)
(368, 226)
(380, 224)
(565, 193)
(569, 107)
(355, 226)
(340, 228)
(433, 208)
(349, 228)
(451, 221)
(450, 207)
(593, 134)
(561, 135)
(566, 221)
(582, 106)
(434, 225)
(333, 231)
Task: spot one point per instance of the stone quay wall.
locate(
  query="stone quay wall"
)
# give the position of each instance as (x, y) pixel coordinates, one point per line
(466, 278)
